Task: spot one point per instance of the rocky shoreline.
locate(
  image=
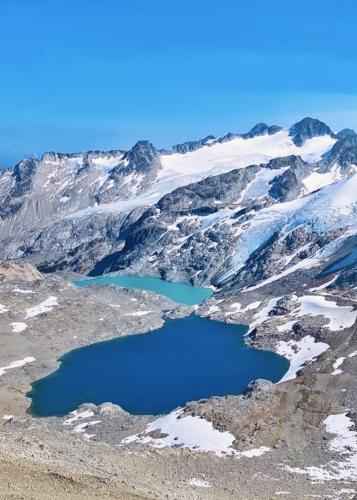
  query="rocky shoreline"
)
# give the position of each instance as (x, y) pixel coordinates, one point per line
(283, 442)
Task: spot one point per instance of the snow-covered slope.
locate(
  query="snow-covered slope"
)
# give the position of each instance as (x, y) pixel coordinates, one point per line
(180, 169)
(218, 158)
(334, 206)
(210, 211)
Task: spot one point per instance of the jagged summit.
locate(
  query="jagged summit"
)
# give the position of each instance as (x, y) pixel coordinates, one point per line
(74, 209)
(185, 147)
(262, 129)
(345, 133)
(142, 157)
(308, 128)
(144, 151)
(344, 151)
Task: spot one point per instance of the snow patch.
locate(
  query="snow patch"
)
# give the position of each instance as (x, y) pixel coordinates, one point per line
(201, 483)
(340, 317)
(16, 364)
(43, 307)
(194, 433)
(213, 309)
(336, 365)
(263, 314)
(324, 285)
(344, 443)
(18, 327)
(21, 290)
(139, 313)
(299, 353)
(237, 307)
(317, 180)
(286, 327)
(79, 428)
(77, 415)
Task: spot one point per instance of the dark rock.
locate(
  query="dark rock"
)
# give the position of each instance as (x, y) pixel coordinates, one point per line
(308, 128)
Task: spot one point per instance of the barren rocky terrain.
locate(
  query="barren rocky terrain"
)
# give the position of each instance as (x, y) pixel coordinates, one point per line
(267, 219)
(295, 439)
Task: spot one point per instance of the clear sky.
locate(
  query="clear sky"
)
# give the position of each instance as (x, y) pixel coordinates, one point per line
(100, 74)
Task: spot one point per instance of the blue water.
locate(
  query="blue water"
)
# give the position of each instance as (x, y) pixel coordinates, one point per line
(187, 359)
(179, 292)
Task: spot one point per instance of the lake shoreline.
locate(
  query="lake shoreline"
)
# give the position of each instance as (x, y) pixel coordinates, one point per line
(261, 425)
(192, 342)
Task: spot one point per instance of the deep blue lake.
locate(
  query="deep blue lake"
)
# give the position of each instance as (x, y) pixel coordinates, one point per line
(179, 292)
(152, 373)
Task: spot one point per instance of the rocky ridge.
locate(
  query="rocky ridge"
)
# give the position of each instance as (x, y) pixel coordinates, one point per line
(85, 209)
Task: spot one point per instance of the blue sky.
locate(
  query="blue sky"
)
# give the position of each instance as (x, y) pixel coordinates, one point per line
(99, 74)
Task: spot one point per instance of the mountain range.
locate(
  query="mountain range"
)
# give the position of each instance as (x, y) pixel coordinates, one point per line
(249, 210)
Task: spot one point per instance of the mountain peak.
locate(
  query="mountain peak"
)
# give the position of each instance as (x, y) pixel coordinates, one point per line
(308, 128)
(262, 129)
(346, 133)
(190, 146)
(142, 156)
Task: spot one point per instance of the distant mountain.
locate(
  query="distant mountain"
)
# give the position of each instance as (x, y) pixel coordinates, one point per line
(235, 211)
(307, 129)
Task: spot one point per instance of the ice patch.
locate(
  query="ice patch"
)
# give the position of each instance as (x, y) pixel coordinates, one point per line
(260, 185)
(3, 309)
(20, 290)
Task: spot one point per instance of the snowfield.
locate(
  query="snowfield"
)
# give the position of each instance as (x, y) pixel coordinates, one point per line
(299, 353)
(223, 157)
(16, 364)
(18, 327)
(194, 433)
(44, 307)
(3, 309)
(340, 317)
(333, 206)
(181, 169)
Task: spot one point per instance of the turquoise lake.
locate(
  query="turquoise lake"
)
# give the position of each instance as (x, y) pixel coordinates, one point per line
(152, 373)
(179, 292)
